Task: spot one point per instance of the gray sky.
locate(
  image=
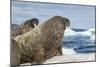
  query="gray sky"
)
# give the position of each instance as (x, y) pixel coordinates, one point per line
(81, 17)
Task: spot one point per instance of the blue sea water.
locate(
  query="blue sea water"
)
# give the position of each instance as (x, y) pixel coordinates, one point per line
(80, 40)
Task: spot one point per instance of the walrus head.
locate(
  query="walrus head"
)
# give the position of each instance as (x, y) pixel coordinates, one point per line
(59, 19)
(34, 22)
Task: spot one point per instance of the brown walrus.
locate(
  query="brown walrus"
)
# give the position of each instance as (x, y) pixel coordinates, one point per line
(26, 26)
(42, 42)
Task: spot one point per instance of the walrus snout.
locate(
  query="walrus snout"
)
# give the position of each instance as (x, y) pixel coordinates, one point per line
(63, 20)
(66, 22)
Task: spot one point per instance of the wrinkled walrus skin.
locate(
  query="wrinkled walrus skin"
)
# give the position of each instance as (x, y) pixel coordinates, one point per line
(42, 42)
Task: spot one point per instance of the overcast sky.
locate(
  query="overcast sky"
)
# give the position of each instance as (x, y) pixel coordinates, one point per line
(81, 17)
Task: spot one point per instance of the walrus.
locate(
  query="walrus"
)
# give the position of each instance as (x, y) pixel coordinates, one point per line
(42, 42)
(26, 26)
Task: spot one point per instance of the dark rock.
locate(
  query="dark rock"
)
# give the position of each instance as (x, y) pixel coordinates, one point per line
(13, 28)
(43, 42)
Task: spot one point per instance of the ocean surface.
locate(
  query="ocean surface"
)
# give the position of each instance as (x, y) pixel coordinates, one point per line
(80, 40)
